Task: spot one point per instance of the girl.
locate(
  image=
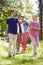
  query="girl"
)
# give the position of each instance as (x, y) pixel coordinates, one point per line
(25, 33)
(34, 32)
(19, 34)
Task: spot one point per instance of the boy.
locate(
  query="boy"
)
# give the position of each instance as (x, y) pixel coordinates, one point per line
(11, 31)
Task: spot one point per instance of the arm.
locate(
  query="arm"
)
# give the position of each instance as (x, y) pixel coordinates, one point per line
(38, 28)
(25, 26)
(7, 31)
(30, 27)
(17, 27)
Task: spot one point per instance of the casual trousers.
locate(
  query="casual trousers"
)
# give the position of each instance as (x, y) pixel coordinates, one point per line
(24, 38)
(35, 41)
(12, 43)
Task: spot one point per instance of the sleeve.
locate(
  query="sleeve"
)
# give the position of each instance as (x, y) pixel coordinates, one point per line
(27, 23)
(17, 21)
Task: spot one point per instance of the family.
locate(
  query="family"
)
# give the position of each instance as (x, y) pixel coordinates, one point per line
(18, 30)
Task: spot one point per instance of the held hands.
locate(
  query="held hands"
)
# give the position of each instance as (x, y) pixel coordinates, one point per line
(31, 27)
(34, 28)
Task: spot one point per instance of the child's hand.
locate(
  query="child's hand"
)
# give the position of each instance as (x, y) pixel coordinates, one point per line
(26, 27)
(31, 27)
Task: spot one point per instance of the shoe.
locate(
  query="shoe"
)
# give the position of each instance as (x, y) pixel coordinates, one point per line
(9, 55)
(35, 54)
(13, 55)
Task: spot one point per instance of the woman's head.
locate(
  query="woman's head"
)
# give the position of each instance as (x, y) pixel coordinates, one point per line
(34, 17)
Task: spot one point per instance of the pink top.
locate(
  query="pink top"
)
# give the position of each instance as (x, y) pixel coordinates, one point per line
(34, 32)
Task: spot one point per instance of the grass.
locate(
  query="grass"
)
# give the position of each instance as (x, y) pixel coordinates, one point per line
(21, 59)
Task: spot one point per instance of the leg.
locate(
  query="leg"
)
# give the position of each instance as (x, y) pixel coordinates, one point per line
(10, 43)
(14, 43)
(18, 41)
(26, 38)
(34, 44)
(23, 41)
(37, 41)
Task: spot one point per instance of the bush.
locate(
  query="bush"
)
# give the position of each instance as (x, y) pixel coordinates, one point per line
(29, 40)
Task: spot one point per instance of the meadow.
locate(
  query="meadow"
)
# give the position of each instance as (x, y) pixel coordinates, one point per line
(26, 58)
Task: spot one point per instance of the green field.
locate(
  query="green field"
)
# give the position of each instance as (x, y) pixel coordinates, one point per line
(21, 59)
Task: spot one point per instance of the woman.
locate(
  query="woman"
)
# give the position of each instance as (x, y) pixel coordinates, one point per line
(34, 28)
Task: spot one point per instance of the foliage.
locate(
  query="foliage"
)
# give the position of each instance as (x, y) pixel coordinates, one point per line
(6, 5)
(29, 40)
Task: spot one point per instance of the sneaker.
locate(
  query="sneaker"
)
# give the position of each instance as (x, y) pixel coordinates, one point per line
(35, 54)
(9, 55)
(13, 55)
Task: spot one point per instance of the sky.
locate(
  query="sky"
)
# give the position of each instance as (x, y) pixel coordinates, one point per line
(35, 5)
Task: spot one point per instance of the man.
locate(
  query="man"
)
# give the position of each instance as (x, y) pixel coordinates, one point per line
(11, 32)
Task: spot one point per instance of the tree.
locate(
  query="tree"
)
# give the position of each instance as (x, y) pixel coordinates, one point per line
(6, 5)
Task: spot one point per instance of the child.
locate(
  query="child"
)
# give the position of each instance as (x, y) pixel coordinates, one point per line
(25, 33)
(11, 31)
(34, 32)
(19, 34)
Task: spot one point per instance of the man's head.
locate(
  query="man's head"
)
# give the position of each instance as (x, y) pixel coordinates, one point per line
(12, 13)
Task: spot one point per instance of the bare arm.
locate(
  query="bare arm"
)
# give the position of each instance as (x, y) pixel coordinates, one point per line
(17, 27)
(7, 31)
(29, 26)
(38, 27)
